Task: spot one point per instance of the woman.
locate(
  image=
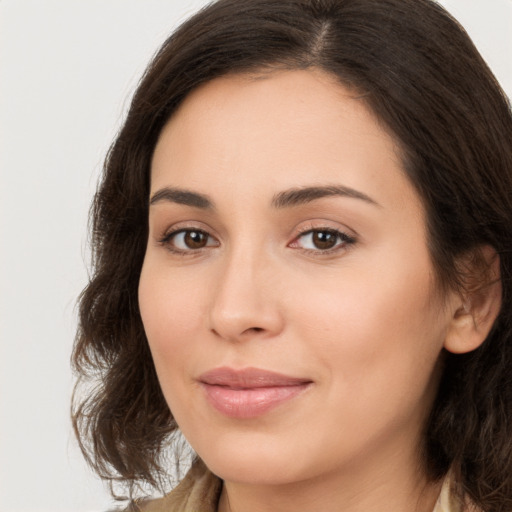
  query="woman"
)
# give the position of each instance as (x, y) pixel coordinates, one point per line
(303, 262)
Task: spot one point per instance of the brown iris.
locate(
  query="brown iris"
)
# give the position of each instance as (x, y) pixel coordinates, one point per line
(195, 239)
(324, 239)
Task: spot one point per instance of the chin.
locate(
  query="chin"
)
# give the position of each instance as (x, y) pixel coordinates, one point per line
(257, 459)
(255, 471)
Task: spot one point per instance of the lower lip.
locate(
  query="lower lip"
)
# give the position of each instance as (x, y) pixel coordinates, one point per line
(250, 402)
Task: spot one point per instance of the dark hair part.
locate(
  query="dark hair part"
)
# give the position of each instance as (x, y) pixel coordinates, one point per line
(418, 71)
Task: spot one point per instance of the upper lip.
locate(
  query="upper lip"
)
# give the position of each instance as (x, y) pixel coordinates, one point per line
(249, 378)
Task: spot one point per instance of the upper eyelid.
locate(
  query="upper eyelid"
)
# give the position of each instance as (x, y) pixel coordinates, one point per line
(304, 231)
(166, 241)
(306, 227)
(185, 226)
(342, 245)
(179, 229)
(175, 231)
(338, 232)
(326, 225)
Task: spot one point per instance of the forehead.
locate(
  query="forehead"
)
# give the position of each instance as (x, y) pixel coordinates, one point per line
(277, 129)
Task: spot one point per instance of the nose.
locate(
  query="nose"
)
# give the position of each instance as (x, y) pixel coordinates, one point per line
(245, 299)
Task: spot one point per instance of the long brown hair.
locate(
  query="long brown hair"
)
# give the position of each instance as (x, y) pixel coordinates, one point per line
(419, 72)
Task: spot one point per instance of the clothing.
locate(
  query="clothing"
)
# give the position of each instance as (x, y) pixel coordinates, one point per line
(446, 501)
(200, 491)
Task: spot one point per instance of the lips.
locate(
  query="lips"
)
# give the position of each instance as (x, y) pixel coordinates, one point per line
(250, 392)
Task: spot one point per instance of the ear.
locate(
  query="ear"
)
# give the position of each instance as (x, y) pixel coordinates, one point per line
(477, 307)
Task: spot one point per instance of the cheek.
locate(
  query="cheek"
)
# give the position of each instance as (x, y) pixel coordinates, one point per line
(171, 311)
(378, 323)
(376, 340)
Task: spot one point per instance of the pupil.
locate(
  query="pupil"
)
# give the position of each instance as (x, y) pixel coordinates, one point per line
(324, 239)
(195, 239)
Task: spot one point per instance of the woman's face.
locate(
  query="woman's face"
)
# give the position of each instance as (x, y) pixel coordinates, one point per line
(287, 292)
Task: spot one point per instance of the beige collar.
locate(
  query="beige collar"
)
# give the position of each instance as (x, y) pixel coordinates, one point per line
(199, 491)
(446, 501)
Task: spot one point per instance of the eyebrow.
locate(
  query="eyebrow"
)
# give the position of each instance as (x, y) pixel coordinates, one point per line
(182, 196)
(285, 199)
(303, 195)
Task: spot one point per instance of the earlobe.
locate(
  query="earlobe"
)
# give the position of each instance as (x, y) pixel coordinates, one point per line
(478, 306)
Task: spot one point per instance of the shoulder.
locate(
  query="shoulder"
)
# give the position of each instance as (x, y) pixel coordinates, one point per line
(199, 490)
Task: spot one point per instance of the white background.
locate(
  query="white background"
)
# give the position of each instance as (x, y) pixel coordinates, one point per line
(67, 70)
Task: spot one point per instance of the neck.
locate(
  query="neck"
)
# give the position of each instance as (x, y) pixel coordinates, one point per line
(395, 486)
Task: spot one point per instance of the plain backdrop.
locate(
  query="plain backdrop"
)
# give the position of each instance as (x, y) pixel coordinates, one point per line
(67, 71)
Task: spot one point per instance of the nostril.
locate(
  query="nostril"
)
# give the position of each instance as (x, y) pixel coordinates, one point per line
(254, 329)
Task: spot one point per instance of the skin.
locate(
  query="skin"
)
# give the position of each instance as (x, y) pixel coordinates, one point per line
(362, 321)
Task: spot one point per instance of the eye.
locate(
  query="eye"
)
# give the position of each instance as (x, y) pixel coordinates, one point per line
(185, 240)
(322, 240)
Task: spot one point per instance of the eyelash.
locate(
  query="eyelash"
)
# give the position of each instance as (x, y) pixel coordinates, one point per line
(342, 240)
(166, 241)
